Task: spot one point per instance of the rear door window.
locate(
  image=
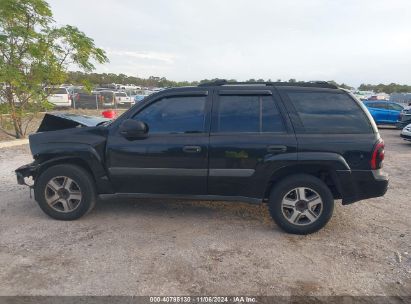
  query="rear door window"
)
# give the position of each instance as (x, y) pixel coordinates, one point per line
(56, 91)
(379, 105)
(244, 113)
(325, 112)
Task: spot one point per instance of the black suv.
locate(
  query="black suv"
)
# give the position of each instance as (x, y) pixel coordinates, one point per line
(295, 146)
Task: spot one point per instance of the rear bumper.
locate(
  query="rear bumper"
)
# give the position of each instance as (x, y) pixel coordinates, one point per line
(26, 171)
(362, 184)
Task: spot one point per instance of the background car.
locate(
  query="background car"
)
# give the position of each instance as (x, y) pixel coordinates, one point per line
(60, 97)
(86, 100)
(139, 98)
(108, 99)
(406, 133)
(384, 112)
(141, 95)
(122, 99)
(405, 118)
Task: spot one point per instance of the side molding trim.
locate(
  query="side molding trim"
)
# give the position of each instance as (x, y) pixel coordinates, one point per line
(116, 171)
(231, 172)
(251, 200)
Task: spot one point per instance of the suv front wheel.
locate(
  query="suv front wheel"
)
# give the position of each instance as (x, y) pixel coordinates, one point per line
(65, 192)
(301, 204)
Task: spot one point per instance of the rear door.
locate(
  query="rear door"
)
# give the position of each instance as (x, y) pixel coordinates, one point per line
(250, 138)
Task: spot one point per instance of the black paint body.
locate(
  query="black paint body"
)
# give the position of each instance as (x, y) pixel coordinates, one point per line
(212, 165)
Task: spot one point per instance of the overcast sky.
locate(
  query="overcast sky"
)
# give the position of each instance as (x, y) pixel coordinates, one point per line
(351, 41)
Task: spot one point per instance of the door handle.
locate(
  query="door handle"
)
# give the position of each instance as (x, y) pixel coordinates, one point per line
(192, 149)
(277, 149)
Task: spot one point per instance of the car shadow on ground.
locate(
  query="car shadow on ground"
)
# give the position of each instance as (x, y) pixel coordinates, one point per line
(184, 208)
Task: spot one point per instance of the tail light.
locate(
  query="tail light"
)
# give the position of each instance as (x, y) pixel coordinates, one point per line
(377, 155)
(77, 96)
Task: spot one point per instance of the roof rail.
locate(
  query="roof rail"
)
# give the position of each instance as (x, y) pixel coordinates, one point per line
(313, 84)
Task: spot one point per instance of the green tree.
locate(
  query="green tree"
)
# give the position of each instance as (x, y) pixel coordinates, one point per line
(34, 53)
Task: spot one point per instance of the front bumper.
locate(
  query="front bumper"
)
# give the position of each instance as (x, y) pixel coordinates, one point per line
(405, 120)
(357, 185)
(406, 137)
(26, 171)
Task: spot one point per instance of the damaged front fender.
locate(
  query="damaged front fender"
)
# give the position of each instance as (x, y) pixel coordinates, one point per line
(26, 171)
(69, 138)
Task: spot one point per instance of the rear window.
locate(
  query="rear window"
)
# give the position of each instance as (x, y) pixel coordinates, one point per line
(323, 112)
(54, 91)
(121, 94)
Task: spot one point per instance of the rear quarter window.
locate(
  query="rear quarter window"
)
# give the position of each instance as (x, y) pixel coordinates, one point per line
(325, 112)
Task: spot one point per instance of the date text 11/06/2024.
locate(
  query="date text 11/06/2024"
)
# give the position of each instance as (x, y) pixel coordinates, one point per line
(203, 299)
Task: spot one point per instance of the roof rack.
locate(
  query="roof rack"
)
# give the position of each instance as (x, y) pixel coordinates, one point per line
(313, 84)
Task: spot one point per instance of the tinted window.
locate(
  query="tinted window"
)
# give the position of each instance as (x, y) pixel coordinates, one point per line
(175, 115)
(372, 105)
(379, 105)
(322, 112)
(121, 94)
(248, 114)
(54, 91)
(394, 106)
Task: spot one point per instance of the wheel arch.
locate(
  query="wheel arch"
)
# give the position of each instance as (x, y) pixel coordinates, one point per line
(62, 160)
(94, 168)
(324, 172)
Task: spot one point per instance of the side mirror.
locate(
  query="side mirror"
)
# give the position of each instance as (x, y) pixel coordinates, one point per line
(133, 129)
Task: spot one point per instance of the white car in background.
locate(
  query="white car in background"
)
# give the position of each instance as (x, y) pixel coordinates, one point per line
(122, 98)
(60, 97)
(406, 133)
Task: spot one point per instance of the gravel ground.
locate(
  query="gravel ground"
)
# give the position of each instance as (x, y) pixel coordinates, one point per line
(151, 247)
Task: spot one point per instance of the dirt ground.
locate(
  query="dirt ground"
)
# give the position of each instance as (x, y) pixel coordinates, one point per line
(147, 247)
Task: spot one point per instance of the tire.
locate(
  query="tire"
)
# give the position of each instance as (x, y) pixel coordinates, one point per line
(301, 204)
(65, 192)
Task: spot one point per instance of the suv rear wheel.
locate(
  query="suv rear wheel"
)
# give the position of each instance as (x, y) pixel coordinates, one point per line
(65, 192)
(301, 204)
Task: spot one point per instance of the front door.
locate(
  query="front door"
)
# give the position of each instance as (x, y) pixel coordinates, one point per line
(173, 159)
(250, 139)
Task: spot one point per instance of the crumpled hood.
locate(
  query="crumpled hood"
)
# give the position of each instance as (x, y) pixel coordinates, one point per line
(61, 121)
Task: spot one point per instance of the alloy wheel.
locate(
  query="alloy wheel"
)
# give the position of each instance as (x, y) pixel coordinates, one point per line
(63, 194)
(302, 206)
